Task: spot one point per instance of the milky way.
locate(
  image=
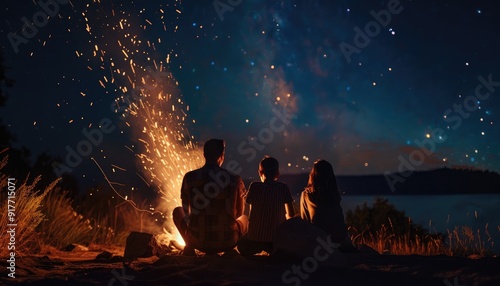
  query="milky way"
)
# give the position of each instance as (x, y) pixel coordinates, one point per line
(364, 85)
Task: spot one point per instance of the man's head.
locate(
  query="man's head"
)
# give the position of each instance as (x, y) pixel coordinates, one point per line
(213, 150)
(269, 168)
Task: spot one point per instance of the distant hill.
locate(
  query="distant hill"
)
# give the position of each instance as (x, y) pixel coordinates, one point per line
(435, 182)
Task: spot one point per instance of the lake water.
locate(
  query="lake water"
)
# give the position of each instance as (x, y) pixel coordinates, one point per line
(439, 213)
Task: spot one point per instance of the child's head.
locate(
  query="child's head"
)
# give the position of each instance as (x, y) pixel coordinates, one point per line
(269, 168)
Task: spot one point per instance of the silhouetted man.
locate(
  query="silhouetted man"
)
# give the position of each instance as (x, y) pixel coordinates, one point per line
(211, 217)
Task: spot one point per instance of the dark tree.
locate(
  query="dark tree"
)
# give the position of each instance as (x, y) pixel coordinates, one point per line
(5, 136)
(382, 213)
(4, 82)
(19, 156)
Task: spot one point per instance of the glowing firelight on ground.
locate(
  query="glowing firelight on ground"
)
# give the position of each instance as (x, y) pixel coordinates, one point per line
(179, 239)
(171, 240)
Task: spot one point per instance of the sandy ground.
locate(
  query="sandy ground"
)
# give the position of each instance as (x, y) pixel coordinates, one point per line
(81, 268)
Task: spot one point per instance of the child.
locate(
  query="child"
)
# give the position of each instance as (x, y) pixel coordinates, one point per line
(270, 204)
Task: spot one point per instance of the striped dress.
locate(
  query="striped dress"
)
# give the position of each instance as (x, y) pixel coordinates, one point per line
(268, 201)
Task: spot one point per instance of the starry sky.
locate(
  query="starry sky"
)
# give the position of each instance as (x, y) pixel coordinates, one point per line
(293, 79)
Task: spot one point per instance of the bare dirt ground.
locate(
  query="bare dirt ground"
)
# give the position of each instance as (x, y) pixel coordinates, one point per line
(81, 268)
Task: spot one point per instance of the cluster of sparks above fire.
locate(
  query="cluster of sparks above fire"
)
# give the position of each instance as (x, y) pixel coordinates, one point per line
(146, 99)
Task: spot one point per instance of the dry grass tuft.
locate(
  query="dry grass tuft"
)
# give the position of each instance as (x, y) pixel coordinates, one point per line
(462, 241)
(28, 214)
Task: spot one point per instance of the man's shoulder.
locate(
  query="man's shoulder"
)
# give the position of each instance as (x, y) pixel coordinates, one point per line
(213, 171)
(231, 174)
(216, 172)
(194, 172)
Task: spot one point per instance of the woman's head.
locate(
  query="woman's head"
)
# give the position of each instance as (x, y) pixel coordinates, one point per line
(322, 181)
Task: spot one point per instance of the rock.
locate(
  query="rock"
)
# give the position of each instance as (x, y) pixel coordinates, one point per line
(363, 248)
(138, 245)
(105, 255)
(116, 258)
(68, 247)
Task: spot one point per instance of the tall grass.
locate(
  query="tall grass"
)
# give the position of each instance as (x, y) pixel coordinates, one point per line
(100, 222)
(28, 214)
(46, 217)
(464, 241)
(114, 220)
(461, 241)
(386, 242)
(61, 224)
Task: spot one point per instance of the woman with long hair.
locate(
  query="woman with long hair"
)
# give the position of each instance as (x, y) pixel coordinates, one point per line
(320, 204)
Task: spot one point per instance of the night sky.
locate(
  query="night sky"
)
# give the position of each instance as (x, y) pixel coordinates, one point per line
(269, 77)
